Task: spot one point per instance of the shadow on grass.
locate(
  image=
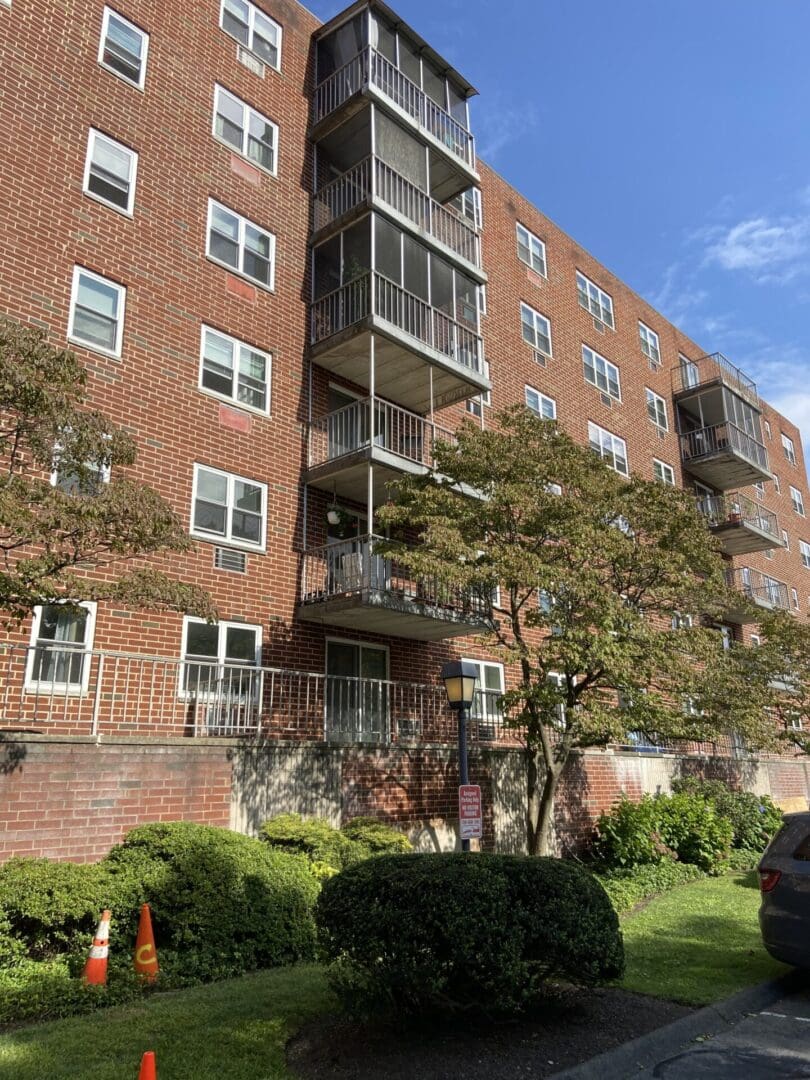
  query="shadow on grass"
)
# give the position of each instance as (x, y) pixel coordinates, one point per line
(748, 880)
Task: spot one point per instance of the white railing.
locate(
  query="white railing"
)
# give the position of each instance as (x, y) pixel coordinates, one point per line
(737, 509)
(373, 178)
(348, 567)
(370, 68)
(370, 421)
(60, 690)
(762, 589)
(720, 437)
(373, 294)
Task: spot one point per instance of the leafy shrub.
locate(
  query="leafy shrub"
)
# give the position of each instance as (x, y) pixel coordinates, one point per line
(682, 826)
(741, 859)
(631, 886)
(50, 989)
(222, 903)
(328, 848)
(426, 931)
(47, 908)
(377, 837)
(754, 818)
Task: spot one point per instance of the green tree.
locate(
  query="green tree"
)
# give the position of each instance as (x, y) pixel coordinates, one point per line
(52, 534)
(596, 575)
(782, 663)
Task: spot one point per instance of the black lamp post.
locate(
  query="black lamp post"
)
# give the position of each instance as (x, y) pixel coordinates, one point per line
(459, 678)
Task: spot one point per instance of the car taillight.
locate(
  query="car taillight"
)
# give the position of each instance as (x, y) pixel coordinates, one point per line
(768, 879)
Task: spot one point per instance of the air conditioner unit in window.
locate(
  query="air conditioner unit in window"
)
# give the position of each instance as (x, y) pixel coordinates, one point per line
(228, 559)
(539, 358)
(607, 400)
(598, 325)
(250, 61)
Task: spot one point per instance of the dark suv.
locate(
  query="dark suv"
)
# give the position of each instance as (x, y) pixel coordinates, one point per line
(784, 880)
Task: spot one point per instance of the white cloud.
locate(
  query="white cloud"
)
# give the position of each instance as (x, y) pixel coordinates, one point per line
(769, 248)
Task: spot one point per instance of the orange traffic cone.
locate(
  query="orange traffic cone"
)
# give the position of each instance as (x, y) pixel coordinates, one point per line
(146, 961)
(95, 970)
(148, 1070)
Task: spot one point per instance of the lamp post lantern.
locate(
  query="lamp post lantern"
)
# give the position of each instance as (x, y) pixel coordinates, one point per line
(459, 678)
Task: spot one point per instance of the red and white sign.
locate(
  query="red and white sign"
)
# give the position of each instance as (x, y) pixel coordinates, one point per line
(470, 821)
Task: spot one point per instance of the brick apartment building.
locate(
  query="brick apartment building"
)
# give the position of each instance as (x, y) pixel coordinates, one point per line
(272, 246)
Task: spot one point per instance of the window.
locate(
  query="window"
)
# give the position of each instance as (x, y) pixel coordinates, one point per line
(536, 329)
(109, 172)
(786, 539)
(600, 373)
(475, 406)
(759, 489)
(756, 641)
(789, 449)
(215, 656)
(768, 553)
(240, 245)
(488, 689)
(234, 370)
(96, 317)
(767, 429)
(610, 448)
(794, 599)
(681, 622)
(227, 507)
(689, 373)
(86, 480)
(61, 637)
(592, 298)
(545, 407)
(657, 409)
(123, 48)
(691, 707)
(663, 472)
(247, 131)
(531, 250)
(777, 485)
(804, 549)
(649, 345)
(797, 501)
(253, 29)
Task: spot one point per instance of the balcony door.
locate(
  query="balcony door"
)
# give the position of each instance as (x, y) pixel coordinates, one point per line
(356, 692)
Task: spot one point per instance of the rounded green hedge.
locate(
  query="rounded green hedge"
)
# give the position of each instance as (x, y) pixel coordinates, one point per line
(330, 849)
(427, 931)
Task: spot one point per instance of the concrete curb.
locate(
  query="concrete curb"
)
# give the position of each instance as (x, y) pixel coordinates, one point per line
(630, 1058)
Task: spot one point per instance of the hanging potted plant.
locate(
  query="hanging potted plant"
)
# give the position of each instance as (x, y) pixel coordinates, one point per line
(342, 523)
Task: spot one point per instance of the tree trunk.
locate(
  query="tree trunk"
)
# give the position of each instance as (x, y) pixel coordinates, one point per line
(541, 788)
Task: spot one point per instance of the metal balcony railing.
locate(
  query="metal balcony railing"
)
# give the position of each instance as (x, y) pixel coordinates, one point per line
(762, 589)
(723, 437)
(56, 689)
(373, 178)
(352, 567)
(689, 375)
(369, 421)
(373, 294)
(736, 508)
(370, 68)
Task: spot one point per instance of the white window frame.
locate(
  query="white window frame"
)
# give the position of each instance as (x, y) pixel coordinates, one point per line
(667, 473)
(536, 249)
(794, 599)
(596, 301)
(797, 501)
(248, 113)
(542, 400)
(767, 429)
(236, 345)
(220, 661)
(603, 369)
(227, 539)
(94, 136)
(480, 684)
(252, 11)
(61, 689)
(804, 549)
(243, 223)
(601, 435)
(755, 641)
(777, 485)
(657, 409)
(105, 25)
(789, 448)
(786, 539)
(681, 622)
(650, 344)
(103, 470)
(759, 489)
(115, 352)
(536, 320)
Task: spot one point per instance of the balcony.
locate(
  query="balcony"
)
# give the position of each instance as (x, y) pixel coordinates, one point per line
(741, 525)
(724, 456)
(372, 184)
(346, 584)
(760, 589)
(369, 76)
(341, 445)
(713, 371)
(412, 336)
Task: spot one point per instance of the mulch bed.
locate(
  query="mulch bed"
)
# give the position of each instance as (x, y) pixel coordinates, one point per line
(571, 1027)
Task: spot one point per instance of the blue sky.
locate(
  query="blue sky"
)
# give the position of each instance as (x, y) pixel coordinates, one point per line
(671, 138)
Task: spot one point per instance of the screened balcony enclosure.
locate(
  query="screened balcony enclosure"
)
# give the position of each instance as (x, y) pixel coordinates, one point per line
(346, 584)
(742, 525)
(368, 55)
(370, 162)
(375, 287)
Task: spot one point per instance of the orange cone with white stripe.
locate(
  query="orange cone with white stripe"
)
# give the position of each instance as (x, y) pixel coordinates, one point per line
(148, 1070)
(95, 970)
(146, 961)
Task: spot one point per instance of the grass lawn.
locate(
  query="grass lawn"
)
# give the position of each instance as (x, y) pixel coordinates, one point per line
(699, 943)
(233, 1030)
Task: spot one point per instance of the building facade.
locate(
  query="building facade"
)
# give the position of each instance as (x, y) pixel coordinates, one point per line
(271, 244)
